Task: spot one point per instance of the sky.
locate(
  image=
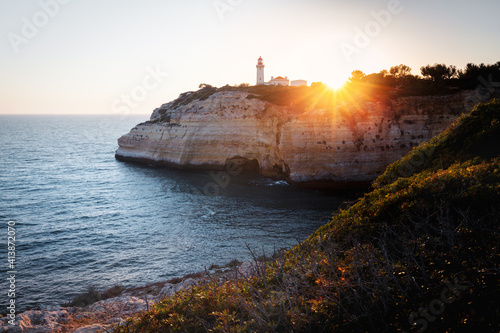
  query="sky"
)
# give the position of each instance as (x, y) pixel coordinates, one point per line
(131, 56)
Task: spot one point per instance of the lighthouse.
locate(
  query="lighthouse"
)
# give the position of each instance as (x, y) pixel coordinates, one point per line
(260, 71)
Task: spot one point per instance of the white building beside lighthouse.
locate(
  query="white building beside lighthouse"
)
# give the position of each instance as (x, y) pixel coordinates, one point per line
(275, 81)
(279, 81)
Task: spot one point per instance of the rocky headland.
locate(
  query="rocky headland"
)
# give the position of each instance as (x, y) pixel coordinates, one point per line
(345, 145)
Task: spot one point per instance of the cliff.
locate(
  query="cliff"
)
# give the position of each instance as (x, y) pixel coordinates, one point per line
(345, 145)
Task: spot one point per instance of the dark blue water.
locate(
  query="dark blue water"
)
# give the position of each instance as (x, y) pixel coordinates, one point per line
(84, 218)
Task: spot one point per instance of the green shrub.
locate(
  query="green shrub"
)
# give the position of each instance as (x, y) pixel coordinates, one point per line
(112, 292)
(90, 296)
(190, 96)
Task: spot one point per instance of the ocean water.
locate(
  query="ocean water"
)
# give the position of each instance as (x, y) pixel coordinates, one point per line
(83, 218)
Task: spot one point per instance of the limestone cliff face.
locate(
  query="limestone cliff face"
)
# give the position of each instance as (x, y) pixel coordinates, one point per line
(344, 146)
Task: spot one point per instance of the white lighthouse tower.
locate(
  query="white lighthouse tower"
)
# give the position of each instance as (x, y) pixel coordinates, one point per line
(260, 71)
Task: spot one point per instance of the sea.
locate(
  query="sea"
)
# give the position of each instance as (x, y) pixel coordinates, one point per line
(81, 218)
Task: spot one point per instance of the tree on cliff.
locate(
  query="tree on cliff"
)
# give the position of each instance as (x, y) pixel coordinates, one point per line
(438, 72)
(205, 85)
(379, 78)
(400, 71)
(357, 76)
(473, 75)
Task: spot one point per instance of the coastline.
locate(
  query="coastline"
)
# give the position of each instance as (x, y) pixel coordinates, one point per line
(104, 314)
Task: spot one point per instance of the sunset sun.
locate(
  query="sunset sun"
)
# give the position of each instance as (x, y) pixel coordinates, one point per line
(336, 83)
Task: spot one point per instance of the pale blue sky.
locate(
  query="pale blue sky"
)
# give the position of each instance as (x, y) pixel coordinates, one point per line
(97, 56)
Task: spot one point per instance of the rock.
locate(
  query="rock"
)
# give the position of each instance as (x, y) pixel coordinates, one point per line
(248, 269)
(38, 321)
(100, 316)
(121, 304)
(91, 328)
(170, 289)
(9, 328)
(187, 283)
(57, 319)
(344, 146)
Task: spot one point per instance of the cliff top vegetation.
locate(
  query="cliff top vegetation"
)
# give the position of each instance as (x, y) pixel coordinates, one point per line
(437, 79)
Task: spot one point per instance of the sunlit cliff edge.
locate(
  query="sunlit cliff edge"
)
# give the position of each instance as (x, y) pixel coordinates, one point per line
(346, 143)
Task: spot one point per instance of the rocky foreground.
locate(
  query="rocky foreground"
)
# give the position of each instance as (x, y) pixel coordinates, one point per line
(346, 145)
(103, 315)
